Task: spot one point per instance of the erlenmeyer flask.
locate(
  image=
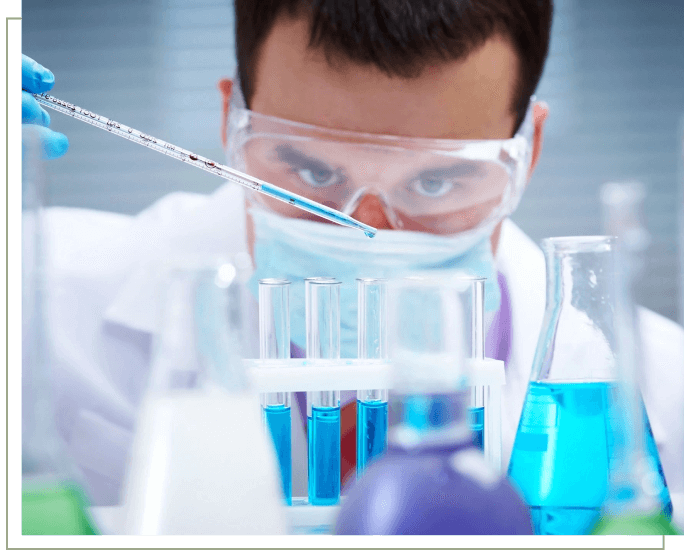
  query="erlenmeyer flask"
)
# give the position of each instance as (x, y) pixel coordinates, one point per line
(53, 501)
(563, 452)
(200, 461)
(633, 505)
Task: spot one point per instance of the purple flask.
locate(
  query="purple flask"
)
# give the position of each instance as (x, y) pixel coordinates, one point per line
(434, 488)
(432, 480)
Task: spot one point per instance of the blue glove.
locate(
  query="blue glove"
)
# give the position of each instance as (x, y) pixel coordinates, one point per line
(36, 79)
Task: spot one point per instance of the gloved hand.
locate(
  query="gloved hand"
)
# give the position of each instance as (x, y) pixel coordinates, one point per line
(36, 79)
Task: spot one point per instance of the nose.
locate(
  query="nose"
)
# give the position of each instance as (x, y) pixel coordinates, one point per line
(372, 212)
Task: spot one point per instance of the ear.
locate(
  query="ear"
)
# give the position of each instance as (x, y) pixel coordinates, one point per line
(226, 87)
(540, 111)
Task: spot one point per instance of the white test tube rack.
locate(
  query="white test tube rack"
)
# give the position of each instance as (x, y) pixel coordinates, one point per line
(306, 375)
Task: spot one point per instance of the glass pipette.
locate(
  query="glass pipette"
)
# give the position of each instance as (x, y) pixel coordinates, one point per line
(201, 162)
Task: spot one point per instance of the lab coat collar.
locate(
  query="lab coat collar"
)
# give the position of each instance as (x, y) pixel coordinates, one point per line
(177, 227)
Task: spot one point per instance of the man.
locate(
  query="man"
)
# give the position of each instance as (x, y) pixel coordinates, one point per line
(332, 80)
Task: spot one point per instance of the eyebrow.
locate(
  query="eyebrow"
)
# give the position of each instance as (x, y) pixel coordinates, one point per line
(455, 171)
(287, 153)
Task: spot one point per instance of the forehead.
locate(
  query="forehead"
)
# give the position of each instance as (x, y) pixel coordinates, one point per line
(462, 99)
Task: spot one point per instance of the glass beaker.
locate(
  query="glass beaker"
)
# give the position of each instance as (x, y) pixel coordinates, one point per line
(563, 450)
(201, 462)
(54, 501)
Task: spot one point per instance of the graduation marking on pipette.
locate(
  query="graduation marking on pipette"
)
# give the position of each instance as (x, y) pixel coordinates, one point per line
(200, 162)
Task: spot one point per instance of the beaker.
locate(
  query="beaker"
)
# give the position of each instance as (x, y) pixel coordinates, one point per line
(54, 501)
(201, 462)
(563, 452)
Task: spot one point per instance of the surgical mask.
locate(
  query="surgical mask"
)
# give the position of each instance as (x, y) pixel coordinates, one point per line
(296, 249)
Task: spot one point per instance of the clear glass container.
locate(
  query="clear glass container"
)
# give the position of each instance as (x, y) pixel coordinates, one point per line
(274, 343)
(432, 480)
(563, 455)
(53, 500)
(201, 462)
(635, 493)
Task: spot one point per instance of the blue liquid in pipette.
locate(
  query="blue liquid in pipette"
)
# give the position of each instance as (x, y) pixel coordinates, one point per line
(476, 421)
(562, 455)
(280, 427)
(371, 432)
(324, 456)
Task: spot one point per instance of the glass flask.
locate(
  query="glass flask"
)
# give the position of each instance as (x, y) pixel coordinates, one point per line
(432, 479)
(53, 501)
(201, 462)
(633, 505)
(563, 452)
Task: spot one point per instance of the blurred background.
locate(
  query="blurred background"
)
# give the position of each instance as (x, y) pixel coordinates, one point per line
(614, 82)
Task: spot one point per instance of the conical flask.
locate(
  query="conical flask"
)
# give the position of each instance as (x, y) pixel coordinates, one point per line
(563, 454)
(53, 502)
(201, 462)
(635, 497)
(432, 480)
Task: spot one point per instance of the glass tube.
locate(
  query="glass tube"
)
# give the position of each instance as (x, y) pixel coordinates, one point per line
(474, 305)
(323, 408)
(274, 343)
(371, 405)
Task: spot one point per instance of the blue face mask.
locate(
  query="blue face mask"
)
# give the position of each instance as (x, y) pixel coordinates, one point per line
(297, 249)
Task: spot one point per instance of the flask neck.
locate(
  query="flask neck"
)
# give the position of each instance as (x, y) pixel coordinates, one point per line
(577, 340)
(428, 420)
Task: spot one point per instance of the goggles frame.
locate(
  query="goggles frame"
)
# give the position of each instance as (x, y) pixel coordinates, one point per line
(513, 154)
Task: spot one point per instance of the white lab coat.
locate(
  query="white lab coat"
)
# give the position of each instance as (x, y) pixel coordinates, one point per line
(104, 302)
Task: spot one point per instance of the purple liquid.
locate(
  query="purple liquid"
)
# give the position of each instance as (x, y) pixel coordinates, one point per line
(421, 493)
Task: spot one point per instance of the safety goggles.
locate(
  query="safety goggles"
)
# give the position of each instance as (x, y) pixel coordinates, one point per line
(439, 186)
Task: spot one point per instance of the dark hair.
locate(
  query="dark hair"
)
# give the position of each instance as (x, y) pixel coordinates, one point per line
(401, 37)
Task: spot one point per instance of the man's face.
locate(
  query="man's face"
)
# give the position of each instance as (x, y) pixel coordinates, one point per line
(465, 99)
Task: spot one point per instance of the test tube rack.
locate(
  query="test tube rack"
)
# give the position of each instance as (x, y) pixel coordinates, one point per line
(305, 375)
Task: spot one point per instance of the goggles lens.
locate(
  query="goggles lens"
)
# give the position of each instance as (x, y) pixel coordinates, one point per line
(431, 185)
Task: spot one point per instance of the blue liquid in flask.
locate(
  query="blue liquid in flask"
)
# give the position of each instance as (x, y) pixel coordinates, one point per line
(476, 418)
(324, 456)
(562, 455)
(280, 427)
(371, 432)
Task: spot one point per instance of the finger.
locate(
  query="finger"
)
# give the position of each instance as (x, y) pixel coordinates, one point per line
(52, 143)
(34, 77)
(32, 112)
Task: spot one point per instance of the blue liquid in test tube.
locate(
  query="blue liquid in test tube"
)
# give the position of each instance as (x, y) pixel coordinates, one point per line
(474, 304)
(324, 463)
(323, 407)
(371, 439)
(274, 343)
(279, 425)
(371, 405)
(476, 422)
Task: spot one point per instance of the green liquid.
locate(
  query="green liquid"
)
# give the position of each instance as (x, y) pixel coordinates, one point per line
(654, 524)
(54, 509)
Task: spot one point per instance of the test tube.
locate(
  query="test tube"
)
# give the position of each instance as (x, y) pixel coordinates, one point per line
(274, 343)
(371, 405)
(323, 407)
(476, 412)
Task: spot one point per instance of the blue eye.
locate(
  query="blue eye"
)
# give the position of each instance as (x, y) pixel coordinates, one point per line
(319, 177)
(432, 187)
